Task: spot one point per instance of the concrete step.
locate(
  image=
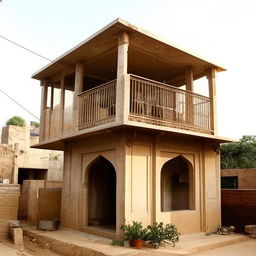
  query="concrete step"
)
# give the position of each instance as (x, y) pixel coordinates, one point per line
(69, 242)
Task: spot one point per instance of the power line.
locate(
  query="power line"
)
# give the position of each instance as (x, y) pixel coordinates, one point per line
(33, 52)
(25, 48)
(19, 104)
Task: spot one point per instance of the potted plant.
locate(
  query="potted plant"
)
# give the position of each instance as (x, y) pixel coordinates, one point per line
(158, 234)
(135, 234)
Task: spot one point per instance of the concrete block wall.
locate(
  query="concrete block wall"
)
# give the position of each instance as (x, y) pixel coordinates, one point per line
(28, 208)
(246, 177)
(6, 162)
(14, 134)
(49, 204)
(9, 200)
(238, 207)
(15, 153)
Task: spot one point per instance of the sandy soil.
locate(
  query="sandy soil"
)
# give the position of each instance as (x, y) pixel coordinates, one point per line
(34, 249)
(246, 248)
(30, 248)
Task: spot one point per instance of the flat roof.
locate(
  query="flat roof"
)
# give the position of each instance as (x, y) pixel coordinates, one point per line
(106, 38)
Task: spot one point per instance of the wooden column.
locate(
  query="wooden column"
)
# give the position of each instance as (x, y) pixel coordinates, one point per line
(79, 80)
(211, 74)
(123, 80)
(44, 92)
(189, 99)
(189, 79)
(62, 102)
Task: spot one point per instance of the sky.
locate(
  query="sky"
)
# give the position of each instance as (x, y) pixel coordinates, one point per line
(222, 31)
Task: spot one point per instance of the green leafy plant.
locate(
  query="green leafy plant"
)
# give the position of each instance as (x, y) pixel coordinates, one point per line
(158, 234)
(16, 121)
(134, 231)
(54, 157)
(239, 155)
(34, 124)
(117, 242)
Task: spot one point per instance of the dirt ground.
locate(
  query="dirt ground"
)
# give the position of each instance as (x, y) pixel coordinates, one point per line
(34, 249)
(244, 248)
(30, 248)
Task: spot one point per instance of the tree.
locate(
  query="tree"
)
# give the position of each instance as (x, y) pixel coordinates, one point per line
(34, 124)
(239, 155)
(16, 121)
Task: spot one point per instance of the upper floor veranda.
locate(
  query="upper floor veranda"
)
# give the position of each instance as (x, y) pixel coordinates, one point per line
(124, 76)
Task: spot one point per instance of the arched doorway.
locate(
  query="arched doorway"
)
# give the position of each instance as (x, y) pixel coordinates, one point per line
(102, 193)
(177, 182)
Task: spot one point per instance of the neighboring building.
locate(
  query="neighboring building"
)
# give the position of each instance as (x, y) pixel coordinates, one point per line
(238, 197)
(20, 162)
(136, 145)
(238, 178)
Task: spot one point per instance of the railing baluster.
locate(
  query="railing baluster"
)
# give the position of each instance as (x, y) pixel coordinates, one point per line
(161, 104)
(150, 102)
(97, 105)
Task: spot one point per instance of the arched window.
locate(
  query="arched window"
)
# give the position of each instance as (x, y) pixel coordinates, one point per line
(177, 182)
(101, 193)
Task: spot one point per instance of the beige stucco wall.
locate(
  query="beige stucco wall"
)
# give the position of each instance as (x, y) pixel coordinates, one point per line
(17, 141)
(14, 134)
(6, 161)
(78, 155)
(246, 177)
(138, 159)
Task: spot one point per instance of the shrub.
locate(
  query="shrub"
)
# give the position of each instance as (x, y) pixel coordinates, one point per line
(158, 234)
(134, 231)
(34, 124)
(16, 121)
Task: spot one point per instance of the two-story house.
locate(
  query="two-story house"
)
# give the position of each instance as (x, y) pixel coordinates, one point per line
(139, 143)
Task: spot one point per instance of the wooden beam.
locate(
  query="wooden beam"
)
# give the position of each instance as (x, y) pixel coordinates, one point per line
(211, 76)
(79, 81)
(177, 81)
(44, 92)
(66, 71)
(123, 80)
(156, 56)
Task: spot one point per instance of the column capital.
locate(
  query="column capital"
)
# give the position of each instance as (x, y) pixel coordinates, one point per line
(123, 38)
(210, 73)
(44, 82)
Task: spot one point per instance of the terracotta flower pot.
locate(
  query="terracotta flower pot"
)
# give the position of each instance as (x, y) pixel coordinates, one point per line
(137, 243)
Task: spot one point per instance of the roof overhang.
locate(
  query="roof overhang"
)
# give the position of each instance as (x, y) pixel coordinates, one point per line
(106, 39)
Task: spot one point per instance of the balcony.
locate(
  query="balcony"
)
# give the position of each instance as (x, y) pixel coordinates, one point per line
(97, 106)
(98, 91)
(151, 102)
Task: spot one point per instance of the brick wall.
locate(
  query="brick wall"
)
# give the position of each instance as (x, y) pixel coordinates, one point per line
(9, 199)
(238, 207)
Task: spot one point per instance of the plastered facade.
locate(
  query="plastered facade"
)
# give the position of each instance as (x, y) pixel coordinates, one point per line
(246, 177)
(7, 161)
(130, 124)
(15, 153)
(138, 159)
